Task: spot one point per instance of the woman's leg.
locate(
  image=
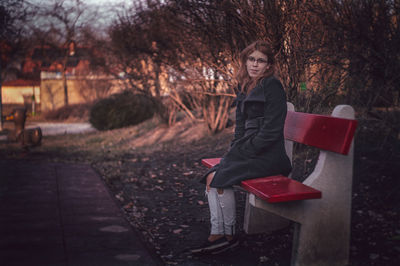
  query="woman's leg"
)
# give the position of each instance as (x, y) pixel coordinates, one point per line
(216, 217)
(222, 205)
(227, 202)
(222, 217)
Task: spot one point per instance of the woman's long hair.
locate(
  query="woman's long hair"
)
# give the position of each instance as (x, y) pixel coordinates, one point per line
(242, 76)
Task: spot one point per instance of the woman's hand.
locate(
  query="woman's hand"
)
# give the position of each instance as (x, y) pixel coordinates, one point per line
(210, 177)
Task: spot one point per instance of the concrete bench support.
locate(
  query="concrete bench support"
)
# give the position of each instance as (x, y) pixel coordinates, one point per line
(322, 234)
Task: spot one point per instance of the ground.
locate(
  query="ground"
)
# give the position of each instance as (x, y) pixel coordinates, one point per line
(153, 172)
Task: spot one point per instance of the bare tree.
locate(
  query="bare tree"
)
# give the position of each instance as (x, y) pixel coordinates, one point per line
(58, 25)
(143, 47)
(13, 15)
(205, 42)
(327, 52)
(364, 36)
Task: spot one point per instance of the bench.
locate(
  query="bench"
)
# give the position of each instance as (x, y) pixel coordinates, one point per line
(320, 206)
(18, 117)
(27, 137)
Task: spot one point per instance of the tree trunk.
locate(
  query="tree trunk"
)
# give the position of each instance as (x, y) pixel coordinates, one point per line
(64, 80)
(1, 101)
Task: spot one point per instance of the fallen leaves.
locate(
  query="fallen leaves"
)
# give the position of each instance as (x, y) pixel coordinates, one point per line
(177, 231)
(120, 197)
(188, 173)
(128, 206)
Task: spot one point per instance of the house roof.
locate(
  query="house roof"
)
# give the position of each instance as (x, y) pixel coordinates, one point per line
(21, 83)
(50, 59)
(48, 55)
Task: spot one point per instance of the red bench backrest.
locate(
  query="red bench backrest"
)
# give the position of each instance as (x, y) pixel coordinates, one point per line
(321, 131)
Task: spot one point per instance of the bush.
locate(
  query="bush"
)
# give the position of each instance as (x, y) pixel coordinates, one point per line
(121, 110)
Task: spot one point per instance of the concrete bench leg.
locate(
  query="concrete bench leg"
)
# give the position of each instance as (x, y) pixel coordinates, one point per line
(258, 221)
(322, 232)
(321, 242)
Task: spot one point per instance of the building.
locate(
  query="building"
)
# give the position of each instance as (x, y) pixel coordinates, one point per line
(43, 74)
(21, 92)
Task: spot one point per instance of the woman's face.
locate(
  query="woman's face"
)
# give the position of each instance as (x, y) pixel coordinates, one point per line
(256, 64)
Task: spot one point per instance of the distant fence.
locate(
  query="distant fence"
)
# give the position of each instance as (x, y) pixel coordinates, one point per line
(7, 108)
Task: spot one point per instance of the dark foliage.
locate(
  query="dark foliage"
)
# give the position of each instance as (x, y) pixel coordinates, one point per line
(121, 110)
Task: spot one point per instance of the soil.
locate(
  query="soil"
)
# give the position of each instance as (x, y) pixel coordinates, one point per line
(153, 172)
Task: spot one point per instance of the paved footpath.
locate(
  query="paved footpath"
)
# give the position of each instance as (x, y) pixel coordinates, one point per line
(62, 214)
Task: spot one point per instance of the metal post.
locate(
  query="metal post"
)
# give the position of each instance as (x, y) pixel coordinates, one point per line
(33, 102)
(1, 101)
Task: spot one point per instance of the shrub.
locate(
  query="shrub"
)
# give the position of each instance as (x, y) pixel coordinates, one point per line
(121, 110)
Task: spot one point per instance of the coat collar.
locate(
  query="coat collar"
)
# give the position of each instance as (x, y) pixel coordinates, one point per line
(257, 94)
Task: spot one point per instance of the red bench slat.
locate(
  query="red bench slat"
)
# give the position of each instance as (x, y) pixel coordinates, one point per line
(210, 162)
(321, 131)
(280, 189)
(274, 188)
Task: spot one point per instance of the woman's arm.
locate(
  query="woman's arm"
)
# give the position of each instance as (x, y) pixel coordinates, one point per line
(275, 110)
(239, 122)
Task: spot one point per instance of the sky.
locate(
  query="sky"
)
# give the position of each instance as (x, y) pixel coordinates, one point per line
(102, 2)
(106, 2)
(107, 9)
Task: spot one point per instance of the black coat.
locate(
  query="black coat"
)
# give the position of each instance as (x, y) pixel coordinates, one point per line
(258, 148)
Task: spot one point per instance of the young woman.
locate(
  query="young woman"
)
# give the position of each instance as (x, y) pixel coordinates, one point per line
(257, 149)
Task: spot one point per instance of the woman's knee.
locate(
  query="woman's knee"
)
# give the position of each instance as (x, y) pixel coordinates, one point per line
(210, 178)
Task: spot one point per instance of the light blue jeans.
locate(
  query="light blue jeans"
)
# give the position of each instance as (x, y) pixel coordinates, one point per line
(222, 211)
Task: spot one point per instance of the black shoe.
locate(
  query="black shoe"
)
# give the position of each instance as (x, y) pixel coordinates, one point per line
(209, 246)
(231, 245)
